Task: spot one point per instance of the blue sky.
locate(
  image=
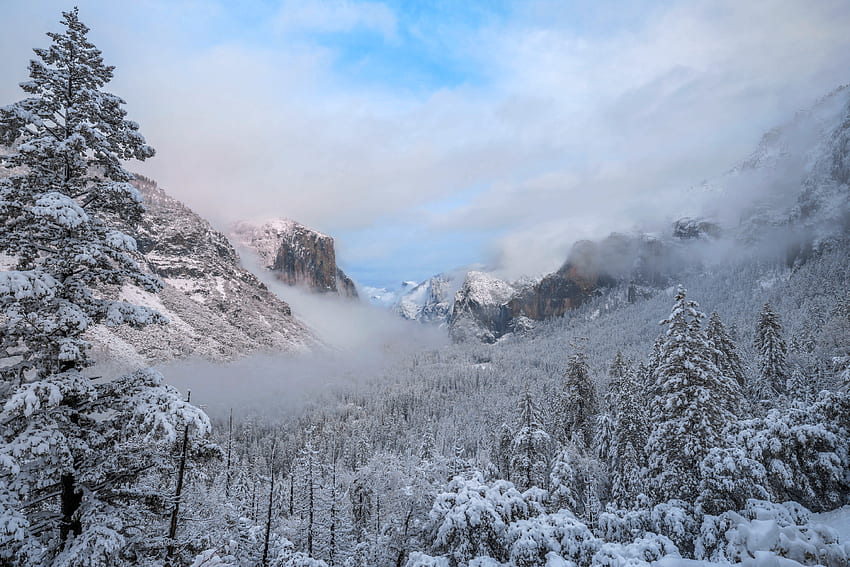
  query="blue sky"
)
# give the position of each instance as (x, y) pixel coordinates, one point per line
(434, 134)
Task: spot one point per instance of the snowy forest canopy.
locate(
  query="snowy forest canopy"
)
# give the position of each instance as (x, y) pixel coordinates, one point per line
(599, 438)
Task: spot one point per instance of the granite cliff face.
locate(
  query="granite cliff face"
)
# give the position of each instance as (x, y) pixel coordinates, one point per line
(218, 310)
(297, 255)
(428, 302)
(478, 312)
(639, 260)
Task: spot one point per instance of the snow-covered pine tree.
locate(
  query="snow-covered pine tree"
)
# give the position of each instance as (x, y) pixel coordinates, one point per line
(502, 450)
(725, 353)
(605, 440)
(563, 483)
(627, 480)
(630, 434)
(772, 351)
(310, 491)
(693, 403)
(531, 448)
(428, 447)
(729, 479)
(577, 404)
(620, 368)
(74, 449)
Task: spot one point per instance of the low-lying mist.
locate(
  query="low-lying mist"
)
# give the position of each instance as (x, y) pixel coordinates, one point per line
(358, 342)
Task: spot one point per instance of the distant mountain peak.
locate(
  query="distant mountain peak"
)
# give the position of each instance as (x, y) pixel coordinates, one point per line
(296, 254)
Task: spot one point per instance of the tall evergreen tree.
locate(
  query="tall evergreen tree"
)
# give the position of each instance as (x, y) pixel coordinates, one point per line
(577, 404)
(772, 351)
(620, 368)
(73, 449)
(531, 448)
(692, 404)
(563, 482)
(502, 450)
(630, 435)
(725, 354)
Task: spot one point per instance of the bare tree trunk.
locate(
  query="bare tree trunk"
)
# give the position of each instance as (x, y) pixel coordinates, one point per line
(333, 511)
(310, 504)
(291, 493)
(229, 453)
(178, 492)
(71, 499)
(271, 500)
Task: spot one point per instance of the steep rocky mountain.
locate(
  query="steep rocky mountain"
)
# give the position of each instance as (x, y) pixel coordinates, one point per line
(795, 182)
(217, 309)
(297, 255)
(591, 267)
(428, 302)
(478, 308)
(790, 198)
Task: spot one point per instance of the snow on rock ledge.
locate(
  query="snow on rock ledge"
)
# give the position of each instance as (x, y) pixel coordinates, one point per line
(298, 255)
(216, 308)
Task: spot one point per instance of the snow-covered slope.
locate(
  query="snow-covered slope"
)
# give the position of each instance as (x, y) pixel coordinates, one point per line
(218, 310)
(298, 255)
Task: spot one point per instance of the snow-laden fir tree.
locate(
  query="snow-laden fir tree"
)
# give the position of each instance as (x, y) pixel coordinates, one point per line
(563, 482)
(772, 351)
(630, 435)
(604, 440)
(531, 448)
(728, 479)
(693, 402)
(605, 434)
(620, 368)
(725, 352)
(502, 450)
(576, 405)
(76, 453)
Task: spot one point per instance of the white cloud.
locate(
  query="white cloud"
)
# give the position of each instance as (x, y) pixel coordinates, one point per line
(332, 16)
(576, 134)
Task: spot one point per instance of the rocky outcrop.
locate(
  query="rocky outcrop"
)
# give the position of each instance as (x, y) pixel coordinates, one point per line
(345, 285)
(429, 302)
(217, 309)
(297, 255)
(487, 308)
(696, 229)
(478, 312)
(573, 284)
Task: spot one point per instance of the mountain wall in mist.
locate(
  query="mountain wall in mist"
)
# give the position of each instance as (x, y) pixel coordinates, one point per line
(789, 199)
(297, 255)
(428, 302)
(217, 309)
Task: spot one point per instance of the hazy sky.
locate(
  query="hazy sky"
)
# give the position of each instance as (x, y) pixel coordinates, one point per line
(431, 134)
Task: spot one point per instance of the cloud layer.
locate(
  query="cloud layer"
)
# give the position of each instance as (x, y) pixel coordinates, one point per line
(532, 124)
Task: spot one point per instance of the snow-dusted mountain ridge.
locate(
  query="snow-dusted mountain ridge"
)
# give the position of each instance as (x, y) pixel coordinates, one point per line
(429, 302)
(296, 254)
(217, 309)
(790, 198)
